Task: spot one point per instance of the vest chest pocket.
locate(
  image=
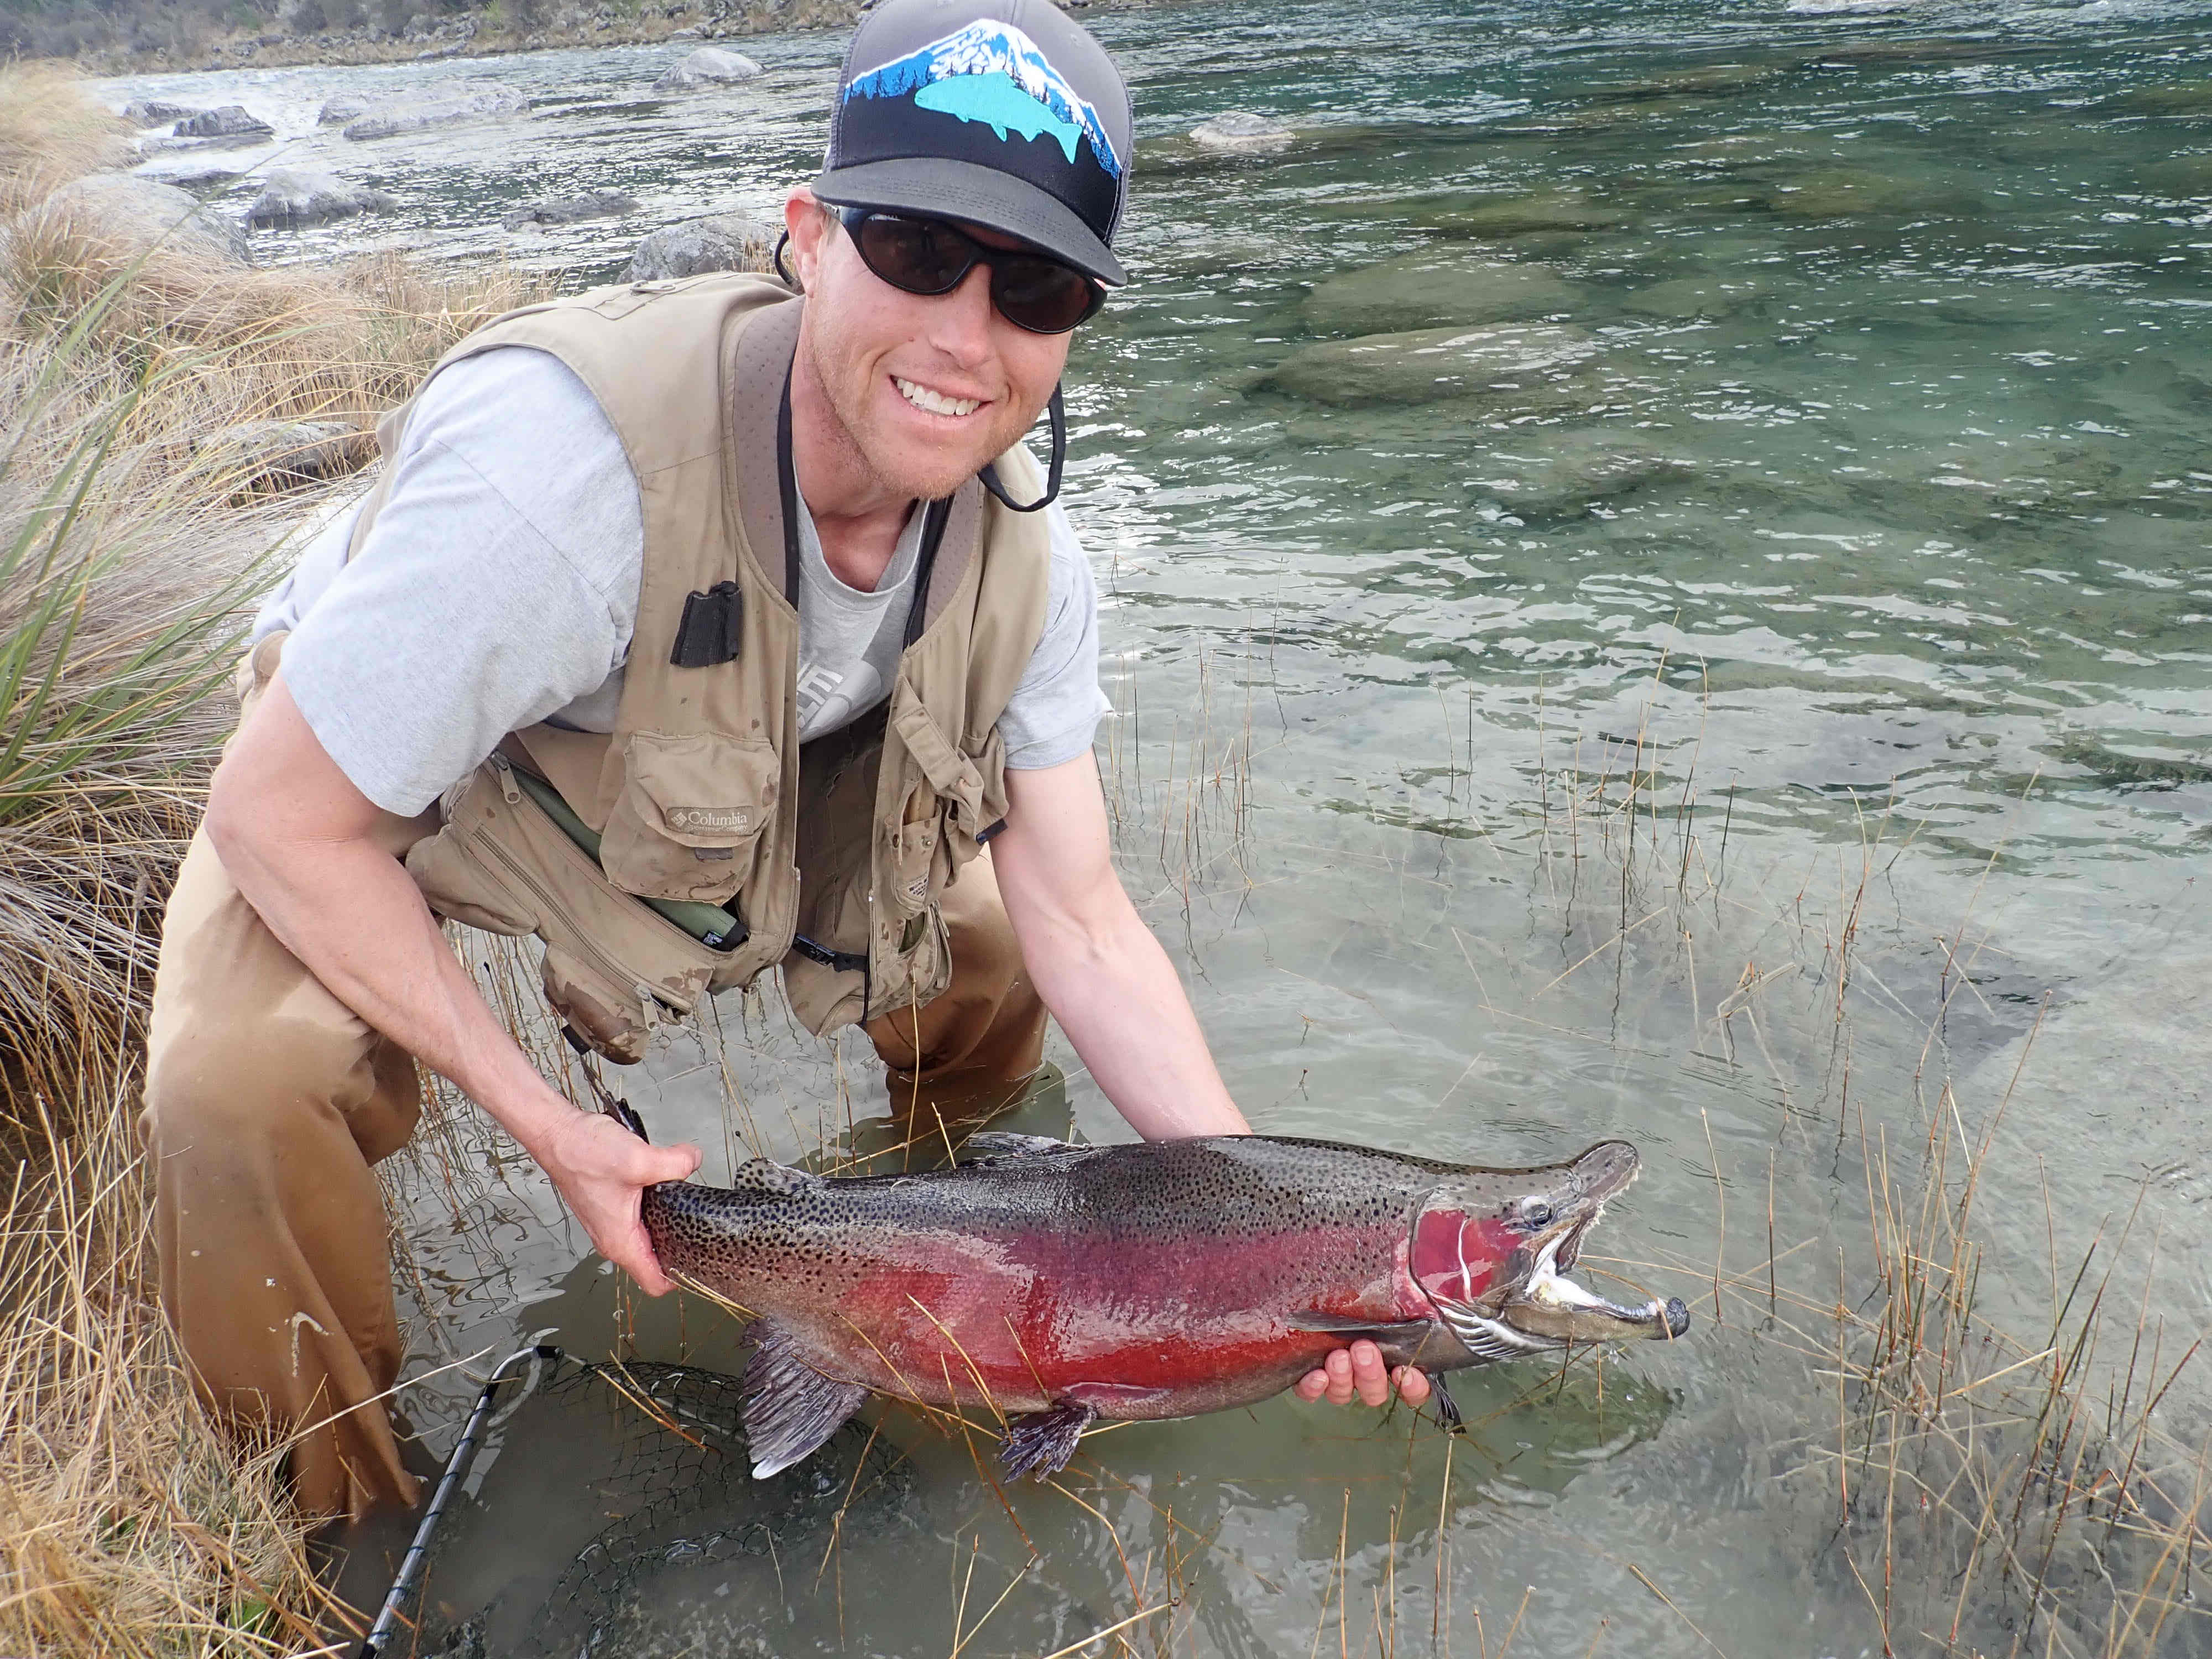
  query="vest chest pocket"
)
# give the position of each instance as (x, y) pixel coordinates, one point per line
(690, 814)
(945, 813)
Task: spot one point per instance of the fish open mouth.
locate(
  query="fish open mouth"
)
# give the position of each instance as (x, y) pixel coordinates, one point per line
(1525, 1303)
(1553, 1309)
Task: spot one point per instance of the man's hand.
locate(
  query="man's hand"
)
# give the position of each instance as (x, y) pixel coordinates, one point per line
(1359, 1370)
(321, 864)
(601, 1171)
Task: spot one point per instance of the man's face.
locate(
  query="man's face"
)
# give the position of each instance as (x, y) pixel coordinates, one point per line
(927, 388)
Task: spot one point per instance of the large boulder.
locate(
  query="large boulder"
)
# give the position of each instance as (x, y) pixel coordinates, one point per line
(137, 214)
(722, 241)
(709, 66)
(230, 121)
(346, 106)
(299, 196)
(1240, 132)
(157, 113)
(1437, 286)
(260, 455)
(443, 105)
(1512, 364)
(566, 210)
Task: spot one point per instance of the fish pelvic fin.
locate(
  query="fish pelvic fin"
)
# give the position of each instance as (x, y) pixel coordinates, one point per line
(789, 1407)
(1040, 1443)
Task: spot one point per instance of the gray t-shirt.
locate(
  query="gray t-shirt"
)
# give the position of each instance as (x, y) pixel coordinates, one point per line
(498, 587)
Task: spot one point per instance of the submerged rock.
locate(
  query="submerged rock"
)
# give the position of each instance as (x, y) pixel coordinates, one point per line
(1429, 365)
(157, 113)
(566, 210)
(1708, 80)
(297, 196)
(2175, 98)
(720, 242)
(1239, 132)
(1682, 298)
(442, 105)
(2184, 175)
(1573, 472)
(231, 121)
(709, 66)
(139, 214)
(1436, 286)
(1843, 192)
(1514, 215)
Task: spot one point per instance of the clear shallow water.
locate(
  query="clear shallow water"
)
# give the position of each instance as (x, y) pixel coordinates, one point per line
(1858, 500)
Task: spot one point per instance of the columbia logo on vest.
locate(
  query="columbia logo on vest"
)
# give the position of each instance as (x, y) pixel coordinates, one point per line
(708, 818)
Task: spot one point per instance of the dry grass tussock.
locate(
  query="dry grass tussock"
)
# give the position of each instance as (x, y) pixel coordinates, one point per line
(130, 548)
(49, 131)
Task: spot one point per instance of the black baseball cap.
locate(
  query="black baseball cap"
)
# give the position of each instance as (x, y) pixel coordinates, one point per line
(1003, 114)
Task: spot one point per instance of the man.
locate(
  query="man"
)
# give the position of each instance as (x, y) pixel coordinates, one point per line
(693, 628)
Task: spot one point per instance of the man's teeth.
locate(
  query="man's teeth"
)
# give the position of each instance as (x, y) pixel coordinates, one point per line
(935, 402)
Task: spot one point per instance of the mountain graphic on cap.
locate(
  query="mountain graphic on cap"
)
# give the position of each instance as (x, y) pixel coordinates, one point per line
(993, 73)
(1005, 114)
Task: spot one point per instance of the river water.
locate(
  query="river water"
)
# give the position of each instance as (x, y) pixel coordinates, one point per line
(1723, 660)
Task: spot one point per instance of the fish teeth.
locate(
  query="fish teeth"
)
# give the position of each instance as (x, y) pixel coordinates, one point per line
(936, 403)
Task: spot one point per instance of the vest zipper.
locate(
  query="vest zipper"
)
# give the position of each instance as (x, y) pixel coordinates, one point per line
(586, 947)
(507, 786)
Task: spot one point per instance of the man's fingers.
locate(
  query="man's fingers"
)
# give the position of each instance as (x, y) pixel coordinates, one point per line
(675, 1162)
(1412, 1384)
(1368, 1374)
(1311, 1386)
(634, 1255)
(1339, 1367)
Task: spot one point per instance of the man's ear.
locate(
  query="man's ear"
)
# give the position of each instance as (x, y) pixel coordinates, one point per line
(806, 222)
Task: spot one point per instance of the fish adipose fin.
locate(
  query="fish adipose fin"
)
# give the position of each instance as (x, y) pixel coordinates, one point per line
(995, 1147)
(790, 1408)
(1042, 1443)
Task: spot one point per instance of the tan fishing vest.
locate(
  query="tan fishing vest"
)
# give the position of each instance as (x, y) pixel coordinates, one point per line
(702, 792)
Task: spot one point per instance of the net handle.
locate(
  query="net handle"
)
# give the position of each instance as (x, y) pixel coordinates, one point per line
(411, 1565)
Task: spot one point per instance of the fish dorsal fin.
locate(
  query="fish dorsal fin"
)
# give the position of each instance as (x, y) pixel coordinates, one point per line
(790, 1408)
(996, 1146)
(761, 1177)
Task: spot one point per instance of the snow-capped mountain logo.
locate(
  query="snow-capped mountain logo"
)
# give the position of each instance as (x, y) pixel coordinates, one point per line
(993, 73)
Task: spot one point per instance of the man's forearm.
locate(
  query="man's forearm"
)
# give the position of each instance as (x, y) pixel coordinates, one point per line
(350, 913)
(1116, 995)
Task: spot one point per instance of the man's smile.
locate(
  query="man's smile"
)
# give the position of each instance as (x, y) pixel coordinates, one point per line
(933, 402)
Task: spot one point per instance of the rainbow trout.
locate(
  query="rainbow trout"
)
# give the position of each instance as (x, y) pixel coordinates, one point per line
(1057, 1285)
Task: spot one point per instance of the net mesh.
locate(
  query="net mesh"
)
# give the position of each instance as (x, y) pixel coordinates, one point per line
(680, 1549)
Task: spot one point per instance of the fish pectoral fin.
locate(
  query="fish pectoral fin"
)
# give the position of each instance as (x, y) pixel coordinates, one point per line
(1042, 1443)
(789, 1407)
(1408, 1333)
(996, 1146)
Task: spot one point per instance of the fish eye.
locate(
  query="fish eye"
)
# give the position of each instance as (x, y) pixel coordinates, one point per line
(1535, 1212)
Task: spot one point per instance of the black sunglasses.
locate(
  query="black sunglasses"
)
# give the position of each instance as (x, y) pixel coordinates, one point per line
(927, 256)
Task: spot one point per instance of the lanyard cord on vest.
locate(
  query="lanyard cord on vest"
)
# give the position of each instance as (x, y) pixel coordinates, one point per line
(934, 517)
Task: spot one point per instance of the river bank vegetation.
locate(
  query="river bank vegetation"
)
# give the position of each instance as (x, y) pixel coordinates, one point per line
(130, 543)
